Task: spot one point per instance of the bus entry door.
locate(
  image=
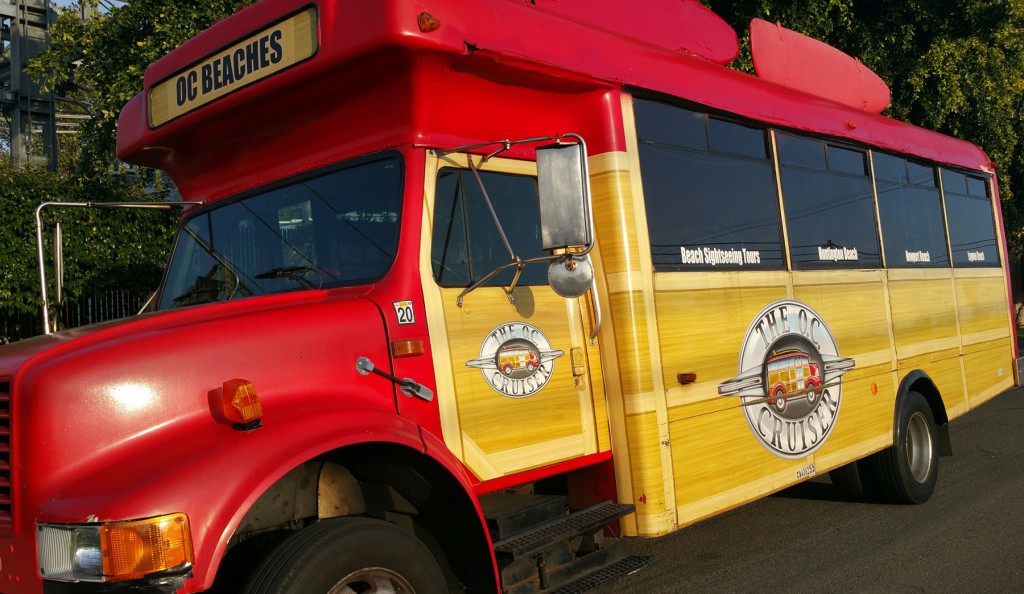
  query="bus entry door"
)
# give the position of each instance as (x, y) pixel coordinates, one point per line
(515, 368)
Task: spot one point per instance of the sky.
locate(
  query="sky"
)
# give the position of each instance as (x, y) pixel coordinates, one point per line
(75, 2)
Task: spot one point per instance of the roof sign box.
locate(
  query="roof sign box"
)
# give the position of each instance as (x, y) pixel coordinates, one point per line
(264, 53)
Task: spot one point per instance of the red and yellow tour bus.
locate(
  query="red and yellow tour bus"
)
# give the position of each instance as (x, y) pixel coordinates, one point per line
(398, 196)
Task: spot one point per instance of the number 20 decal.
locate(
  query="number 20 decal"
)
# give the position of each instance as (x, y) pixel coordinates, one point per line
(405, 313)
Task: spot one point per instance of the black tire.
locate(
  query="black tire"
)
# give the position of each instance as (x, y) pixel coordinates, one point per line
(356, 551)
(907, 472)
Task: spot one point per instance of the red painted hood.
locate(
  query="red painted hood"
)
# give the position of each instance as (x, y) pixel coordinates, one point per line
(13, 356)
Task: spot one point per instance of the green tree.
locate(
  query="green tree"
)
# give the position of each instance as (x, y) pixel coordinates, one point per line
(96, 65)
(953, 66)
(103, 249)
(106, 56)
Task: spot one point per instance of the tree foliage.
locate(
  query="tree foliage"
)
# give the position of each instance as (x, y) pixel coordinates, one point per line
(98, 65)
(106, 56)
(103, 249)
(953, 66)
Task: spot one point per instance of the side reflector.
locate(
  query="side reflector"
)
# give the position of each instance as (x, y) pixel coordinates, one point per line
(686, 378)
(241, 405)
(427, 22)
(132, 550)
(406, 348)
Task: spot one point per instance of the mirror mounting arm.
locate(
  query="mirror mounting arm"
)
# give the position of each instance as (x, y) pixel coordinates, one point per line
(490, 207)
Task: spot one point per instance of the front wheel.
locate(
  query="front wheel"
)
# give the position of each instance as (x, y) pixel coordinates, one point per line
(349, 555)
(907, 472)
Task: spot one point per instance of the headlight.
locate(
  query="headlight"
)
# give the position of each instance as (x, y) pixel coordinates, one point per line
(115, 551)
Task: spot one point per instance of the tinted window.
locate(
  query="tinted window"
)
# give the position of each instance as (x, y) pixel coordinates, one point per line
(467, 245)
(921, 175)
(801, 152)
(727, 137)
(707, 210)
(830, 214)
(912, 229)
(671, 126)
(846, 161)
(890, 168)
(336, 229)
(972, 230)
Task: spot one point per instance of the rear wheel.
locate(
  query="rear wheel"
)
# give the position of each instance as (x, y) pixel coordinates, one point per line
(907, 472)
(348, 556)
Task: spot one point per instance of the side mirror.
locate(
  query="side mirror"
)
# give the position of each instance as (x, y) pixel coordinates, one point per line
(564, 196)
(565, 216)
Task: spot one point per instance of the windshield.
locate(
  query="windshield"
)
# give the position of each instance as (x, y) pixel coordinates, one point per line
(335, 229)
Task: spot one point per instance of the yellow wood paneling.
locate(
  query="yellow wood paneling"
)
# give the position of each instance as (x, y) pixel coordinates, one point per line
(702, 330)
(486, 414)
(718, 464)
(923, 313)
(982, 306)
(864, 423)
(989, 372)
(648, 476)
(946, 372)
(644, 295)
(852, 303)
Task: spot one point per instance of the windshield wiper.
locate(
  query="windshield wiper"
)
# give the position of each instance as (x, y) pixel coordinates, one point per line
(294, 273)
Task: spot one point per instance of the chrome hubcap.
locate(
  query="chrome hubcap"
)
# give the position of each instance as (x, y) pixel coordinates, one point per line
(919, 447)
(373, 580)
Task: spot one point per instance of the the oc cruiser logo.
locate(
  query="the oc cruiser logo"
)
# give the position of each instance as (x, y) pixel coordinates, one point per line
(790, 379)
(516, 359)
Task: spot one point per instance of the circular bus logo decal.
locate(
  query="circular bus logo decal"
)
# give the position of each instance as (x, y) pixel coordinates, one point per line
(516, 360)
(790, 379)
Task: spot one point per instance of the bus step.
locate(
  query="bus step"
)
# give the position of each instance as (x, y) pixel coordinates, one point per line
(509, 514)
(563, 528)
(558, 569)
(605, 575)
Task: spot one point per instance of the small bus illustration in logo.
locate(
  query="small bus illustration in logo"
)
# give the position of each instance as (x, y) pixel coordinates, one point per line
(516, 360)
(791, 372)
(514, 356)
(789, 380)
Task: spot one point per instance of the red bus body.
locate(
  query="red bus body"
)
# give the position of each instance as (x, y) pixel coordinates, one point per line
(118, 421)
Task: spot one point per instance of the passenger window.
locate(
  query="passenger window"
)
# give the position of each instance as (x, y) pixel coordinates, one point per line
(466, 244)
(972, 230)
(912, 229)
(830, 213)
(707, 209)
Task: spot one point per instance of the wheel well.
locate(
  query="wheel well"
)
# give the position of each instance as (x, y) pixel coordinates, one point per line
(383, 481)
(918, 381)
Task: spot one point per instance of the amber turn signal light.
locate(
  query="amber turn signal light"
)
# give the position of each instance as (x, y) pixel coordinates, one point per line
(427, 22)
(132, 550)
(241, 405)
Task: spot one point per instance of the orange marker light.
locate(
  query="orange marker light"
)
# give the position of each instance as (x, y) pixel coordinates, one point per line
(427, 22)
(241, 405)
(406, 348)
(132, 550)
